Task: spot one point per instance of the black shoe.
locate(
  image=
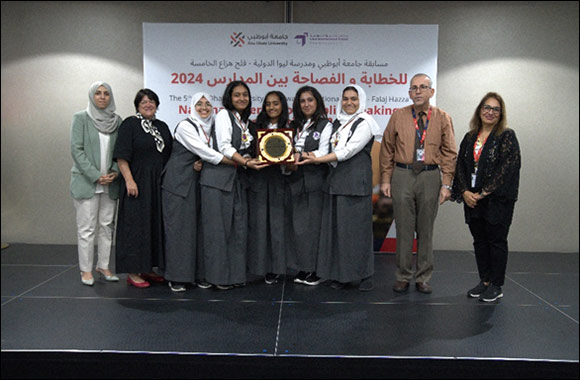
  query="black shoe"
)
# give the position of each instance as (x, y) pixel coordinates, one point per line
(478, 290)
(177, 286)
(300, 277)
(491, 294)
(203, 284)
(312, 279)
(366, 284)
(271, 278)
(336, 285)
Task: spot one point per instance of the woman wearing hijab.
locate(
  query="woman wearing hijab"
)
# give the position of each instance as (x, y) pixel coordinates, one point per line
(346, 237)
(181, 194)
(266, 199)
(142, 150)
(224, 210)
(94, 185)
(312, 131)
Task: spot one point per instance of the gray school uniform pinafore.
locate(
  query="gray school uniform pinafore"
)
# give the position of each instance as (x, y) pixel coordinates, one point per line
(346, 237)
(224, 218)
(181, 204)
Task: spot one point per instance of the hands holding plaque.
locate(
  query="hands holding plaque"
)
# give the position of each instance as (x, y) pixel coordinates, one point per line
(275, 146)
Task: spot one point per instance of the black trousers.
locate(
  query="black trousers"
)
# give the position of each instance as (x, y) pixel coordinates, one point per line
(491, 249)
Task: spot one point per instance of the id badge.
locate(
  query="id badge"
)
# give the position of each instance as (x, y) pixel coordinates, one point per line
(473, 179)
(420, 154)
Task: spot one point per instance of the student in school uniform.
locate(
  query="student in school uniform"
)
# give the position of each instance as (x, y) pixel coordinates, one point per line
(180, 192)
(345, 252)
(224, 210)
(266, 196)
(305, 184)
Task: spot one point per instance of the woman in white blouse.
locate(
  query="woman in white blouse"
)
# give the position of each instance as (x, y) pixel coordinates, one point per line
(346, 240)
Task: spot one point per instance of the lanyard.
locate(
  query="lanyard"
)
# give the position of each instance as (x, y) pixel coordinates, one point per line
(421, 138)
(303, 130)
(245, 137)
(243, 127)
(476, 153)
(207, 138)
(336, 135)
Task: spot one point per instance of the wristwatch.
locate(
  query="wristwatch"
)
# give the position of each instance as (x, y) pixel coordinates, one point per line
(446, 187)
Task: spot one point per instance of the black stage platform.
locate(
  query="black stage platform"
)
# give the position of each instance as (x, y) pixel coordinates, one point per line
(55, 327)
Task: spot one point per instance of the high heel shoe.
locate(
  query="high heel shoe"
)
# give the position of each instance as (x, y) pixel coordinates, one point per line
(89, 282)
(112, 278)
(143, 284)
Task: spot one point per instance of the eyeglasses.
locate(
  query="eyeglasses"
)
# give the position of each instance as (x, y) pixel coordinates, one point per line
(487, 108)
(420, 88)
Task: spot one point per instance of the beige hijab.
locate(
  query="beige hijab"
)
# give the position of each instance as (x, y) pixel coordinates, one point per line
(105, 120)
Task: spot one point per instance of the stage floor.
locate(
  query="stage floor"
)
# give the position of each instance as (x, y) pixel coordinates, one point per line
(46, 309)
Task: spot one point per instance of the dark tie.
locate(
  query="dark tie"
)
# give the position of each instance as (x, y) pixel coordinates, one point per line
(418, 165)
(420, 122)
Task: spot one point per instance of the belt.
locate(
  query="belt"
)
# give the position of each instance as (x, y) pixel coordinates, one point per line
(410, 167)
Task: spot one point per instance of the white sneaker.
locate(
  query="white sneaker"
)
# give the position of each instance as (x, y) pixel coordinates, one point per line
(312, 279)
(492, 293)
(300, 277)
(177, 286)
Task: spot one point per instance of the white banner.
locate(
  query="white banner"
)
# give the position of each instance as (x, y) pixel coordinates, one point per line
(182, 59)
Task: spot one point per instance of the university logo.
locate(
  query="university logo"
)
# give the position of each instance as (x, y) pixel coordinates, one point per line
(237, 39)
(301, 39)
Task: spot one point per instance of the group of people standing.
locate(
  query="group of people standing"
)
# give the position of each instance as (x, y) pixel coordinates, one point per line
(420, 170)
(203, 209)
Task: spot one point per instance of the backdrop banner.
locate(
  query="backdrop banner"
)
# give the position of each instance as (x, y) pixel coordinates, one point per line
(182, 59)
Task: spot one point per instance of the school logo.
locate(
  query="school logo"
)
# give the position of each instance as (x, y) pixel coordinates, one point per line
(237, 39)
(321, 39)
(301, 39)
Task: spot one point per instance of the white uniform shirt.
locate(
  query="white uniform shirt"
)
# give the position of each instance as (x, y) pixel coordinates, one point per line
(223, 132)
(198, 143)
(324, 138)
(360, 138)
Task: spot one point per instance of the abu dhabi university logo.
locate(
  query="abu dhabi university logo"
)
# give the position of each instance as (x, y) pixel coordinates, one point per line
(237, 39)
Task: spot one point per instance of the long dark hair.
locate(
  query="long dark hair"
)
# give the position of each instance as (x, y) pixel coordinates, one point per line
(299, 117)
(227, 99)
(263, 119)
(145, 92)
(475, 123)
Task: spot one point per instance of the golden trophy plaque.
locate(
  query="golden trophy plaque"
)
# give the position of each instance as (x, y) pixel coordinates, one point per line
(275, 145)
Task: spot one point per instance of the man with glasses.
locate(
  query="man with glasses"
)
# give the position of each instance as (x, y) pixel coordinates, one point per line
(417, 161)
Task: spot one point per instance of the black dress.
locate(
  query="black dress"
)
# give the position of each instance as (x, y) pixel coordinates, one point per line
(139, 245)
